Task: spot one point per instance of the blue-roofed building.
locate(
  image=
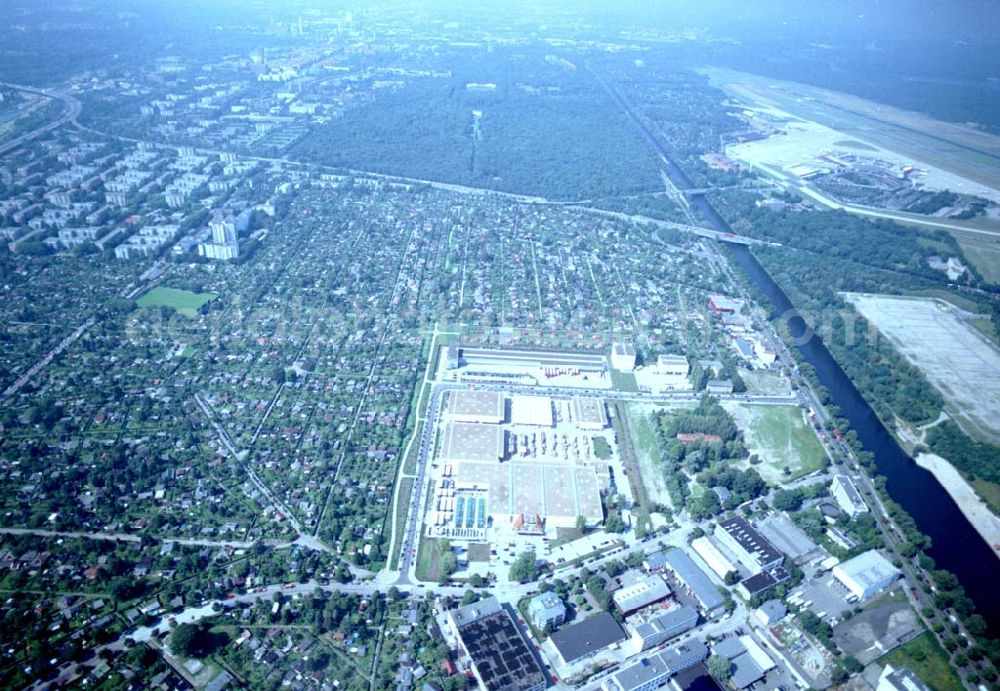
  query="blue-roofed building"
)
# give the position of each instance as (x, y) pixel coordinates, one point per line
(657, 561)
(695, 580)
(743, 348)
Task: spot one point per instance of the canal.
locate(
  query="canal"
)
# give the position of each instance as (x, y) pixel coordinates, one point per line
(955, 544)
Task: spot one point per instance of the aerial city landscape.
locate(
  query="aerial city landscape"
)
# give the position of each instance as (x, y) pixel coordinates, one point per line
(433, 346)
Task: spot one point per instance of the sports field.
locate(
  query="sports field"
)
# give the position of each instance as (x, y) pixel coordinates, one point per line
(183, 301)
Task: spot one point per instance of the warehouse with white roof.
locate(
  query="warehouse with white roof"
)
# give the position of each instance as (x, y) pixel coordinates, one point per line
(867, 574)
(467, 405)
(535, 411)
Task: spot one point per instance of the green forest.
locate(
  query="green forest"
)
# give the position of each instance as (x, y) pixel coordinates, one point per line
(545, 130)
(828, 253)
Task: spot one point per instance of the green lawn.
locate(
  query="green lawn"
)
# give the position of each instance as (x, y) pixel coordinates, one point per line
(564, 535)
(928, 660)
(623, 381)
(427, 560)
(986, 328)
(645, 441)
(989, 491)
(765, 382)
(958, 301)
(983, 251)
(601, 448)
(183, 301)
(405, 488)
(642, 425)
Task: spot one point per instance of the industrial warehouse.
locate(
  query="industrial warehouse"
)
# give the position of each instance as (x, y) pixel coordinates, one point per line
(520, 463)
(501, 659)
(524, 367)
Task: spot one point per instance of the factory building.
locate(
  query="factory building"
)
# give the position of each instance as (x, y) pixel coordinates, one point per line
(501, 658)
(866, 575)
(534, 411)
(750, 662)
(656, 670)
(760, 583)
(847, 496)
(662, 628)
(751, 548)
(485, 407)
(589, 413)
(642, 592)
(587, 638)
(715, 559)
(720, 304)
(527, 496)
(467, 442)
(623, 357)
(695, 580)
(673, 365)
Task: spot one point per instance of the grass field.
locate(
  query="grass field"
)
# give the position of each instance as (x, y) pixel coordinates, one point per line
(623, 381)
(765, 382)
(983, 251)
(963, 303)
(182, 301)
(781, 437)
(989, 491)
(602, 449)
(927, 660)
(564, 535)
(986, 328)
(427, 560)
(479, 551)
(405, 488)
(646, 444)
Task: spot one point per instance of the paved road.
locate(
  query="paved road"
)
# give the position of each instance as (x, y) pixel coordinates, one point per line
(126, 537)
(48, 357)
(418, 495)
(701, 231)
(73, 108)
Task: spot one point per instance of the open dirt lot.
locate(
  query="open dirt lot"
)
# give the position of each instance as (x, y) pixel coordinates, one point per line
(959, 361)
(781, 437)
(880, 627)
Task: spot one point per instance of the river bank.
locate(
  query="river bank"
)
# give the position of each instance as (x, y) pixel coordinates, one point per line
(969, 503)
(956, 544)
